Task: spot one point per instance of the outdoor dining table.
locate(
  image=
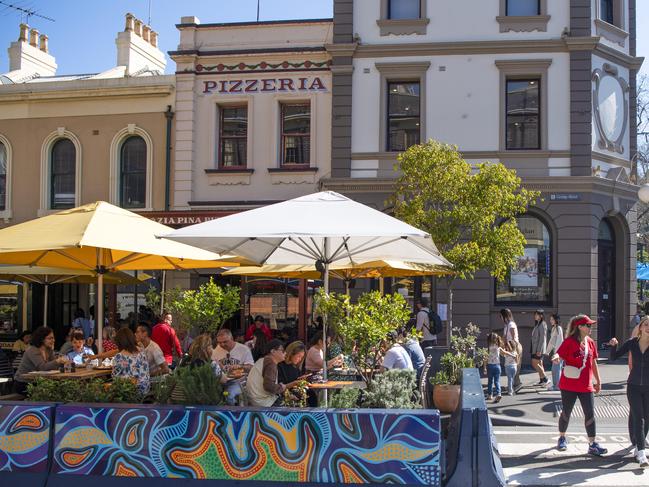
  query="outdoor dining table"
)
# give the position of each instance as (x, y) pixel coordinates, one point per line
(80, 374)
(338, 384)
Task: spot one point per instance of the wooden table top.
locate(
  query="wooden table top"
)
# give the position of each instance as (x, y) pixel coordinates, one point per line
(338, 384)
(80, 374)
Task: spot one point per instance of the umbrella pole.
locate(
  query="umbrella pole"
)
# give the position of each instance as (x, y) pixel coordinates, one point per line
(324, 322)
(45, 293)
(100, 301)
(162, 294)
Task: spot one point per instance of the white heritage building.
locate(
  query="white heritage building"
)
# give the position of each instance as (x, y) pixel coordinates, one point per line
(547, 88)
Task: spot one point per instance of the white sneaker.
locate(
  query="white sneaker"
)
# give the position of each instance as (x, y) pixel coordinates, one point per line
(641, 458)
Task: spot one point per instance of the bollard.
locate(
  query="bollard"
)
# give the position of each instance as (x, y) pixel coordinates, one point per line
(472, 457)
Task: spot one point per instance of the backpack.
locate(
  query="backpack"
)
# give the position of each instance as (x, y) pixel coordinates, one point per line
(435, 327)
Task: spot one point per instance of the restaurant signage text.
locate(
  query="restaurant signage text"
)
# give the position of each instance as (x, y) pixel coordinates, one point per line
(266, 85)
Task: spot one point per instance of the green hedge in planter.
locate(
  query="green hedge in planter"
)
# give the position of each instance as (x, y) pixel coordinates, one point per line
(73, 390)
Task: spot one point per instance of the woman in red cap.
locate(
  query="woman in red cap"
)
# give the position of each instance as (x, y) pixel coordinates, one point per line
(579, 353)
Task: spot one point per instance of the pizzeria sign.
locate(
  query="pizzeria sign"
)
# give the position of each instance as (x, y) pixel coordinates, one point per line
(265, 85)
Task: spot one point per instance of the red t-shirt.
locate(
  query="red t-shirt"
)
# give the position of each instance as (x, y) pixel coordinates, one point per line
(165, 336)
(251, 330)
(572, 353)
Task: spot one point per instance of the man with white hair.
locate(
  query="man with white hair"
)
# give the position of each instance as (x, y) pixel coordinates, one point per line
(228, 352)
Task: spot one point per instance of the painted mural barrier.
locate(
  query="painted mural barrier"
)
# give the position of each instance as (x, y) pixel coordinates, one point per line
(25, 440)
(151, 443)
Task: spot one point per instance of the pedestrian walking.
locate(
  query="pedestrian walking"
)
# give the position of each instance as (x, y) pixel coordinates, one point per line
(637, 389)
(556, 339)
(510, 332)
(539, 344)
(579, 380)
(494, 342)
(511, 364)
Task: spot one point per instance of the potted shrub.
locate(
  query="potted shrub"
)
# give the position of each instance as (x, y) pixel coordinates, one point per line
(463, 353)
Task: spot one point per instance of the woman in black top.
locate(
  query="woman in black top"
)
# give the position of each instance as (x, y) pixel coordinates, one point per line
(637, 389)
(290, 369)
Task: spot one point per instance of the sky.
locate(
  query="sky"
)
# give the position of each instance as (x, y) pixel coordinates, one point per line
(82, 37)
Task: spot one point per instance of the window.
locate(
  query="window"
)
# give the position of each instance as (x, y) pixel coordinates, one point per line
(403, 115)
(132, 173)
(526, 8)
(403, 9)
(3, 177)
(296, 134)
(529, 280)
(233, 137)
(606, 11)
(62, 174)
(523, 115)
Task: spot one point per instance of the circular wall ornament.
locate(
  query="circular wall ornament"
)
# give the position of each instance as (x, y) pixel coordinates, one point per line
(611, 108)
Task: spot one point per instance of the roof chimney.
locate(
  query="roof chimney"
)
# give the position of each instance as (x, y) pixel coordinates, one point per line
(137, 47)
(30, 53)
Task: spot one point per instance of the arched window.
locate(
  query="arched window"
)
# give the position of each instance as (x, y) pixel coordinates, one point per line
(529, 281)
(3, 177)
(62, 174)
(132, 173)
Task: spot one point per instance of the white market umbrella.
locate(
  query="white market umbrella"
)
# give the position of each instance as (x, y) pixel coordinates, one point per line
(323, 229)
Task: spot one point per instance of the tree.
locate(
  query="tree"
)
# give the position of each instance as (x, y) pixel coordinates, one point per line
(366, 325)
(469, 211)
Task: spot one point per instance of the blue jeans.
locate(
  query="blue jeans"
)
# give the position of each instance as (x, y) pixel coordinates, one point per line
(510, 370)
(493, 375)
(556, 374)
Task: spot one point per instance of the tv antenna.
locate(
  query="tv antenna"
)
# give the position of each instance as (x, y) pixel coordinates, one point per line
(26, 12)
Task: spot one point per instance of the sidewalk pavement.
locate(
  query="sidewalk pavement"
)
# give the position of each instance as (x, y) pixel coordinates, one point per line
(526, 430)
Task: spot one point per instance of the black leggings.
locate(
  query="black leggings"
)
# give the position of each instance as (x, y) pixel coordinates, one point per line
(639, 404)
(587, 400)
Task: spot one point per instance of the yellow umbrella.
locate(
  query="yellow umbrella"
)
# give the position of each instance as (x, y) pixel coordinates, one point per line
(102, 238)
(374, 269)
(54, 275)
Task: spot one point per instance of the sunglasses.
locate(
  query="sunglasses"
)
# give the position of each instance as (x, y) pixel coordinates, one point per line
(589, 325)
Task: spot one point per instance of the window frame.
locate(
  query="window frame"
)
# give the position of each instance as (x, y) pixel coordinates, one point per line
(120, 188)
(616, 31)
(406, 71)
(538, 124)
(523, 23)
(387, 112)
(221, 108)
(46, 150)
(5, 210)
(524, 69)
(282, 135)
(388, 26)
(52, 205)
(549, 303)
(389, 12)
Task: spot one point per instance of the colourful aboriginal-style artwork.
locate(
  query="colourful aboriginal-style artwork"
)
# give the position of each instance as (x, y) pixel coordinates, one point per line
(234, 444)
(24, 438)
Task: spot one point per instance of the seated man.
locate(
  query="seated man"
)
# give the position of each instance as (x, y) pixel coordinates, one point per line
(396, 357)
(231, 355)
(79, 348)
(155, 357)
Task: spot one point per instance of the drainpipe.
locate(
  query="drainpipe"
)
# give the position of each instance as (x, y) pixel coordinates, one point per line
(169, 115)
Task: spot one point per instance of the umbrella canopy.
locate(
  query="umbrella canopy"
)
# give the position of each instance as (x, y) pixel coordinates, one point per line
(326, 226)
(99, 237)
(374, 269)
(322, 229)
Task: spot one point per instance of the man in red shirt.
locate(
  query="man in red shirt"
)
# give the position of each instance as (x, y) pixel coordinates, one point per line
(165, 336)
(259, 324)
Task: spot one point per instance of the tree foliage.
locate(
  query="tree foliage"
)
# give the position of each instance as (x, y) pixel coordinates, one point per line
(470, 212)
(366, 324)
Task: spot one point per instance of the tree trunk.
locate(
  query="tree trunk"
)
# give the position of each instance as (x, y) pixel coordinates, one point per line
(449, 326)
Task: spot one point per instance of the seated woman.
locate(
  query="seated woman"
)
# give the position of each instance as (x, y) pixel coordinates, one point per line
(290, 369)
(258, 344)
(22, 343)
(108, 335)
(38, 356)
(262, 387)
(79, 348)
(315, 356)
(130, 362)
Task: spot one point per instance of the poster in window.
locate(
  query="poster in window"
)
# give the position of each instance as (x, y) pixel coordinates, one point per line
(525, 272)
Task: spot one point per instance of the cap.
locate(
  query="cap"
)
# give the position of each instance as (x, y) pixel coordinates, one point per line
(584, 320)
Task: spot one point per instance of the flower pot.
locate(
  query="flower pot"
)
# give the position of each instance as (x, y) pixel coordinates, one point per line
(446, 397)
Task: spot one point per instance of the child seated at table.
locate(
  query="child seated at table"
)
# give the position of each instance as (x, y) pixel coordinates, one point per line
(79, 348)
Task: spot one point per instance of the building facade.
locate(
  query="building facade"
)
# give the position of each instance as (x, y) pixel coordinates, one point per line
(547, 88)
(68, 140)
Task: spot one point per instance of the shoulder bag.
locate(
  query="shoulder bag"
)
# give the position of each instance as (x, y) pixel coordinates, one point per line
(572, 372)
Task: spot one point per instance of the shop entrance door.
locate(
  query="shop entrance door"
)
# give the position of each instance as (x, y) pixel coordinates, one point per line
(605, 284)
